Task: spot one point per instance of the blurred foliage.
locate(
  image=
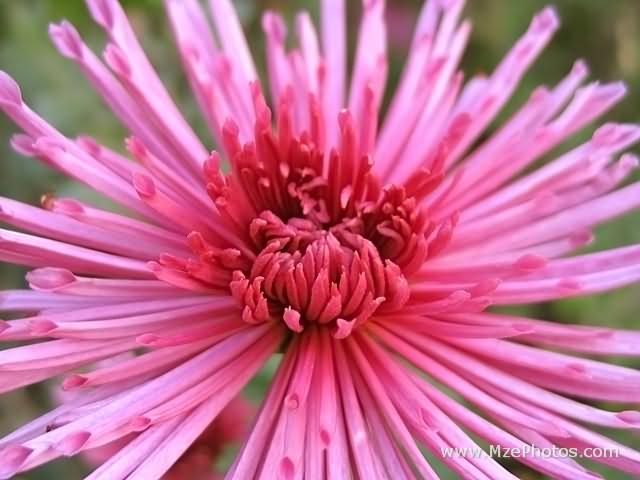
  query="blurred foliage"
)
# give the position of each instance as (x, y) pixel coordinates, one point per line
(605, 33)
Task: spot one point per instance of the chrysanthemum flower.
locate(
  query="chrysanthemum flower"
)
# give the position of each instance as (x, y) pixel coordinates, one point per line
(367, 250)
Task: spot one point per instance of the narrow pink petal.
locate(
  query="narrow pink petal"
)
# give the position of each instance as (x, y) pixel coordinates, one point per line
(115, 222)
(12, 458)
(584, 375)
(334, 51)
(369, 70)
(484, 428)
(310, 50)
(507, 74)
(132, 326)
(176, 442)
(119, 466)
(69, 43)
(82, 260)
(226, 383)
(68, 230)
(565, 222)
(474, 369)
(438, 328)
(386, 408)
(249, 459)
(112, 18)
(626, 459)
(449, 378)
(365, 457)
(58, 353)
(233, 40)
(607, 140)
(278, 66)
(103, 307)
(65, 282)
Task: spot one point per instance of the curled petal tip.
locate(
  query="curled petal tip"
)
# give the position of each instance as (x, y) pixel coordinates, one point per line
(11, 459)
(213, 162)
(522, 328)
(147, 339)
(576, 368)
(230, 128)
(23, 144)
(103, 12)
(569, 284)
(274, 25)
(618, 88)
(580, 68)
(66, 39)
(287, 469)
(140, 423)
(89, 145)
(529, 262)
(137, 148)
(10, 95)
(581, 238)
(49, 279)
(428, 420)
(629, 161)
(117, 60)
(144, 185)
(292, 401)
(66, 206)
(325, 437)
(74, 381)
(631, 417)
(343, 328)
(73, 443)
(547, 20)
(292, 318)
(609, 93)
(459, 296)
(48, 146)
(42, 326)
(154, 267)
(345, 119)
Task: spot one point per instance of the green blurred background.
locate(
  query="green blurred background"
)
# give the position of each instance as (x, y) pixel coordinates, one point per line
(604, 32)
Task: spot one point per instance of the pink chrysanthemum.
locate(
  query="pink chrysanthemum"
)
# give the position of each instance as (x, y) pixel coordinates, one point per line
(366, 250)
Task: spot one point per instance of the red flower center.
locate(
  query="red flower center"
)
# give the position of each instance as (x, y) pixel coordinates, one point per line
(331, 246)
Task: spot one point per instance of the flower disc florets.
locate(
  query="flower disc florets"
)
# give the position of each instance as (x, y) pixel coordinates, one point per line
(326, 244)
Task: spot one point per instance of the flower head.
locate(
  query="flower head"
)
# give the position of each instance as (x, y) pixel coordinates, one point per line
(365, 249)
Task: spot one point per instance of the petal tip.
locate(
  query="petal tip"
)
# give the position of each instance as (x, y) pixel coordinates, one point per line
(23, 144)
(74, 381)
(10, 94)
(73, 443)
(140, 423)
(12, 458)
(66, 39)
(547, 20)
(50, 279)
(630, 417)
(144, 185)
(102, 11)
(42, 326)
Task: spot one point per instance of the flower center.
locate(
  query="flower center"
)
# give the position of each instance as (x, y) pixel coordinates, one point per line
(306, 275)
(331, 246)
